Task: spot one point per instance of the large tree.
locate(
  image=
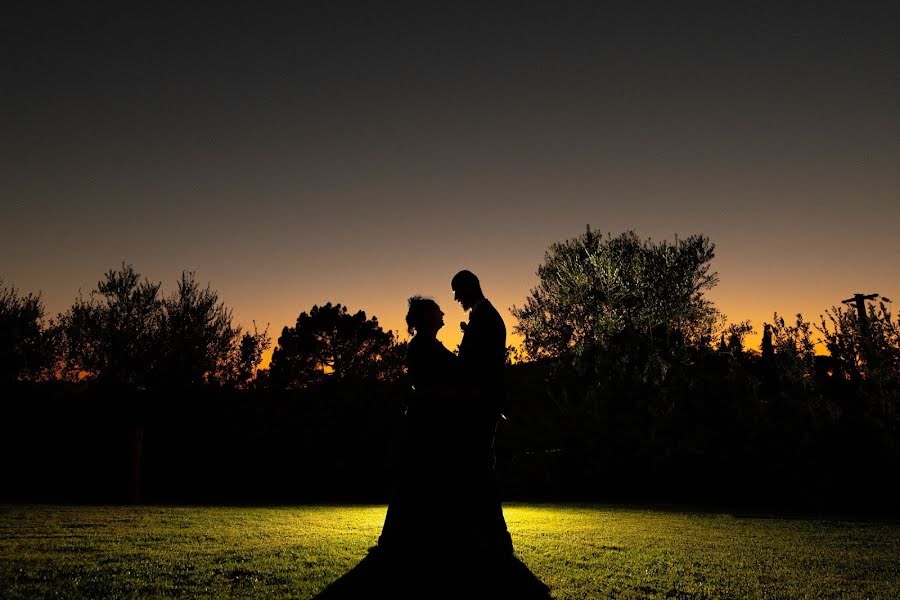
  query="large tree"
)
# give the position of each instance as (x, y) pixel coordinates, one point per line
(329, 342)
(621, 321)
(594, 289)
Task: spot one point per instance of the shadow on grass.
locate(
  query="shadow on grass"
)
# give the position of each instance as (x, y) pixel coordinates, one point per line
(381, 576)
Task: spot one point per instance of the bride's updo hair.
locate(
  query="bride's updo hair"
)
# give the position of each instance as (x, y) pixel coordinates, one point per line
(419, 306)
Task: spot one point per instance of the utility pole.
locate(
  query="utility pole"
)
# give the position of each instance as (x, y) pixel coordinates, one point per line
(859, 300)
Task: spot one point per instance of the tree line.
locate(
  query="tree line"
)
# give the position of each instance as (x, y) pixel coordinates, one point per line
(127, 333)
(630, 383)
(642, 380)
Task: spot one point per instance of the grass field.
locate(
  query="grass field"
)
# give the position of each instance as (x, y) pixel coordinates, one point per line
(580, 551)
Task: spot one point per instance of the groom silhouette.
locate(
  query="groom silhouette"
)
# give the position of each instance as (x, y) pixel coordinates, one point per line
(482, 357)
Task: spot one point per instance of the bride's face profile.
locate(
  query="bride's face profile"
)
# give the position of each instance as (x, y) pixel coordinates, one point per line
(434, 320)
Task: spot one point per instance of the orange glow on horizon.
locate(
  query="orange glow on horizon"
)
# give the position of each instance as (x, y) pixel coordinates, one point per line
(451, 334)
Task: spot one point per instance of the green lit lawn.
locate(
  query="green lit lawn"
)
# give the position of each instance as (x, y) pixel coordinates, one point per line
(579, 551)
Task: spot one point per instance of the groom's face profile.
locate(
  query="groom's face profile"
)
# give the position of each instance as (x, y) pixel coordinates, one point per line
(461, 296)
(466, 289)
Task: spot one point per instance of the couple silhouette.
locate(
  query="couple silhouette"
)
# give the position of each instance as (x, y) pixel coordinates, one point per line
(444, 534)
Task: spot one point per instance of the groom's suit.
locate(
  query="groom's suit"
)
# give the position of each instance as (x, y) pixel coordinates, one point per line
(482, 356)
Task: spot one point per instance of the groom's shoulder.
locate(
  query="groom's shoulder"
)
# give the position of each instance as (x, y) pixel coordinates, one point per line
(486, 311)
(488, 308)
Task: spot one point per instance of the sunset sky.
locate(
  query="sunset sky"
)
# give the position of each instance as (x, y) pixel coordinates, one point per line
(360, 154)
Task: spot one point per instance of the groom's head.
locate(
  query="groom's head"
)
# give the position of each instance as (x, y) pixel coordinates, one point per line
(466, 289)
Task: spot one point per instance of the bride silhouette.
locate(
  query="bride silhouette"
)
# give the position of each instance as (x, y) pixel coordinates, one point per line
(441, 536)
(426, 477)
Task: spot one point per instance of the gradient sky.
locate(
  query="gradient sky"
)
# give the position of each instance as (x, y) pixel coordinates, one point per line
(359, 154)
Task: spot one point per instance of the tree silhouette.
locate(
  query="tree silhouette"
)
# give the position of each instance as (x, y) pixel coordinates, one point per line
(195, 334)
(735, 334)
(619, 321)
(24, 344)
(866, 351)
(593, 289)
(794, 350)
(767, 348)
(248, 356)
(125, 332)
(113, 334)
(330, 343)
(198, 343)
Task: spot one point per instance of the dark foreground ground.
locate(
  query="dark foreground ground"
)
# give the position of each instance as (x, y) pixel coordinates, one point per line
(579, 551)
